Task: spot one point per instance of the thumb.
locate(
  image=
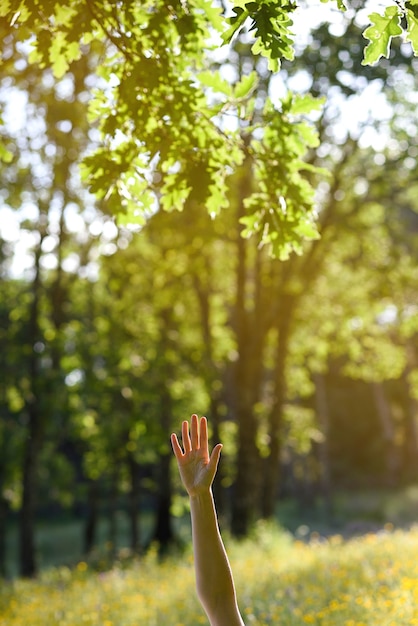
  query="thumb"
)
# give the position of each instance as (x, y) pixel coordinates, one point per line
(215, 456)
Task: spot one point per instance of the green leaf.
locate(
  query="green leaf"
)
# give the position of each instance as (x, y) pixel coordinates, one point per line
(274, 40)
(252, 224)
(309, 135)
(380, 33)
(59, 63)
(236, 23)
(212, 12)
(63, 14)
(215, 81)
(217, 199)
(412, 24)
(132, 216)
(307, 230)
(174, 193)
(246, 85)
(306, 103)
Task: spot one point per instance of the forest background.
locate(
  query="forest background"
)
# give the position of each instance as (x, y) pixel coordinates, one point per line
(182, 270)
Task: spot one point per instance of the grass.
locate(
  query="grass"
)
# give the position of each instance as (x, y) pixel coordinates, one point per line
(60, 541)
(364, 581)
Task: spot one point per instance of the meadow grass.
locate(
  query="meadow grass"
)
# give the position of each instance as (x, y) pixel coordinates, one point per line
(372, 580)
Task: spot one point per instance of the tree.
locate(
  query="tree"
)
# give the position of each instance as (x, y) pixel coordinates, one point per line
(12, 363)
(41, 176)
(339, 227)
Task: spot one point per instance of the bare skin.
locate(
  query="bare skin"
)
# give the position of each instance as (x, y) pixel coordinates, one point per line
(214, 580)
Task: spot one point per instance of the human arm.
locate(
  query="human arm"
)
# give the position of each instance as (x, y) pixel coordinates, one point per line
(214, 580)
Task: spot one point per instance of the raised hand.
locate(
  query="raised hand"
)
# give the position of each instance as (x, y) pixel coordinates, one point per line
(197, 469)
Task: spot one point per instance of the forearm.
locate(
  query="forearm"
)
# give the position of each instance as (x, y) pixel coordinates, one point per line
(214, 581)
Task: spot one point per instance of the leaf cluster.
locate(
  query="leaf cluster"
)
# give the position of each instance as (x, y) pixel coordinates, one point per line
(269, 22)
(173, 130)
(398, 19)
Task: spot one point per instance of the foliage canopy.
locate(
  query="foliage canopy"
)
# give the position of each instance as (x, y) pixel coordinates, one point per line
(175, 130)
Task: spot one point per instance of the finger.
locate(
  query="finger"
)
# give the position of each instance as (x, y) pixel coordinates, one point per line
(214, 457)
(186, 437)
(204, 445)
(194, 429)
(178, 452)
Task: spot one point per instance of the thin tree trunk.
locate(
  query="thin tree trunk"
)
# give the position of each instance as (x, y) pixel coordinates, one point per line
(323, 417)
(247, 383)
(204, 292)
(133, 504)
(3, 529)
(410, 410)
(30, 474)
(30, 482)
(163, 531)
(112, 515)
(90, 529)
(272, 462)
(247, 484)
(5, 460)
(218, 490)
(246, 488)
(388, 433)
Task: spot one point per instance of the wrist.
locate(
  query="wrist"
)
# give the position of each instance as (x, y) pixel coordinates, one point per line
(203, 494)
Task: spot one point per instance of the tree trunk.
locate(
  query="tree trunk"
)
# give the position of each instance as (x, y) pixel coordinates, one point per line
(246, 488)
(163, 530)
(204, 291)
(248, 368)
(133, 504)
(410, 431)
(247, 379)
(30, 474)
(5, 461)
(112, 515)
(271, 472)
(90, 529)
(388, 433)
(218, 490)
(323, 418)
(30, 481)
(3, 519)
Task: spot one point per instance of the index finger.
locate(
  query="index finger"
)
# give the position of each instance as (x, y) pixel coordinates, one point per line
(178, 452)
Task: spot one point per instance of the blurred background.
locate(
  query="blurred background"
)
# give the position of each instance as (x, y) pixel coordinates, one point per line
(307, 369)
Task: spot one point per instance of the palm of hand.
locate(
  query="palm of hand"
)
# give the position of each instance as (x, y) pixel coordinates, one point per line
(195, 471)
